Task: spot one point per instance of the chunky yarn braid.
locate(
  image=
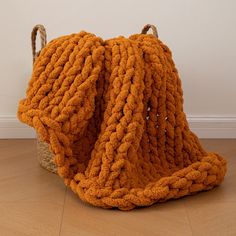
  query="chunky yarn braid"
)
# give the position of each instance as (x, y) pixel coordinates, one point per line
(112, 114)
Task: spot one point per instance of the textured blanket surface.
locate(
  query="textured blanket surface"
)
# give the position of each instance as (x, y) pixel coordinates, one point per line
(112, 114)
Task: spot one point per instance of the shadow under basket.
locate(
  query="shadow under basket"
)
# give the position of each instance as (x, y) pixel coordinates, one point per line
(45, 156)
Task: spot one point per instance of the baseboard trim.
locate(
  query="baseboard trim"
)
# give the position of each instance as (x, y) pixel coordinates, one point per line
(213, 126)
(11, 127)
(203, 126)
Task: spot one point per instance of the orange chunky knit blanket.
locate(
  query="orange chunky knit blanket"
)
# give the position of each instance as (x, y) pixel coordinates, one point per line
(112, 114)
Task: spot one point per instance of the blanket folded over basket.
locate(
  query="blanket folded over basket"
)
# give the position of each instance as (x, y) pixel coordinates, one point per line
(112, 114)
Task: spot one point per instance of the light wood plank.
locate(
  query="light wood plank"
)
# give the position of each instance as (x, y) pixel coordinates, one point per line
(212, 218)
(31, 199)
(165, 219)
(32, 218)
(32, 202)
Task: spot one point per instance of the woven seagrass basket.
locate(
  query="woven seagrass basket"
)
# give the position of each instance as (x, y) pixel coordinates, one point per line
(44, 155)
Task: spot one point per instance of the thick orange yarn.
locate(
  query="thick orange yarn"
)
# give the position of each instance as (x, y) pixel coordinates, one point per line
(112, 114)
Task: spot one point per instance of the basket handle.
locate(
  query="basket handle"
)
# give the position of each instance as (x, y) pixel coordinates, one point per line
(43, 39)
(152, 27)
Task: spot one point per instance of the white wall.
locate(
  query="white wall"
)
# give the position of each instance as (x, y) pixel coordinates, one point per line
(200, 33)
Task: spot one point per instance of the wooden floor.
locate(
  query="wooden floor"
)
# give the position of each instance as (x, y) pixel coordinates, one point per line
(36, 202)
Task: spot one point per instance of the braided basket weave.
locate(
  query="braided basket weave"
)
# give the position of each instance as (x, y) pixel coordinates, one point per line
(45, 156)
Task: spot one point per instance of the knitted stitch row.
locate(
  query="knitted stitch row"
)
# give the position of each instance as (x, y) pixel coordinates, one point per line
(112, 114)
